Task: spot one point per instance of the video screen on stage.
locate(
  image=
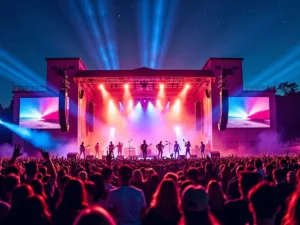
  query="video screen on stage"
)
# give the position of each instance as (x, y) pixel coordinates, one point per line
(39, 113)
(249, 112)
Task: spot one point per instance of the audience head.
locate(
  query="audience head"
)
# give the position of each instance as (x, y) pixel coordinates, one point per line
(172, 176)
(247, 181)
(125, 174)
(137, 176)
(264, 201)
(74, 196)
(192, 174)
(166, 198)
(31, 169)
(292, 216)
(95, 216)
(107, 173)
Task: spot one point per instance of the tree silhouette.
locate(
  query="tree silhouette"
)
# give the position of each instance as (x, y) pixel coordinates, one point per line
(287, 88)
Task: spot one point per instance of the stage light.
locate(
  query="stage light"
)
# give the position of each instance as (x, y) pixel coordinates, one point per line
(187, 86)
(162, 86)
(101, 86)
(145, 100)
(1, 122)
(126, 86)
(157, 101)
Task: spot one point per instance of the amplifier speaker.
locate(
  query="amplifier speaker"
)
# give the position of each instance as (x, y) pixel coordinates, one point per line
(63, 111)
(224, 107)
(72, 155)
(215, 154)
(120, 157)
(199, 116)
(182, 156)
(81, 94)
(90, 157)
(207, 93)
(193, 157)
(91, 116)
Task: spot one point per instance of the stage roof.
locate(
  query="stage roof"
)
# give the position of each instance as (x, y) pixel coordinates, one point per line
(144, 72)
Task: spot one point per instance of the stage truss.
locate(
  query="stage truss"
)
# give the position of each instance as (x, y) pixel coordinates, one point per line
(145, 84)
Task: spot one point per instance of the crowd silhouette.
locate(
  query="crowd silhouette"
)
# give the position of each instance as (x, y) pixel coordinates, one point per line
(262, 190)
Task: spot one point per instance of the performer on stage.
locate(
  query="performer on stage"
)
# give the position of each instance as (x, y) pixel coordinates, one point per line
(82, 150)
(187, 149)
(160, 148)
(176, 149)
(111, 148)
(120, 148)
(144, 148)
(97, 151)
(202, 148)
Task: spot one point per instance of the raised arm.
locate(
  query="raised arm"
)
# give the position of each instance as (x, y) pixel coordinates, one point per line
(50, 166)
(17, 153)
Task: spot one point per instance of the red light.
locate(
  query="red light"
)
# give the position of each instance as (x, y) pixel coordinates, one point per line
(126, 86)
(162, 86)
(187, 86)
(101, 86)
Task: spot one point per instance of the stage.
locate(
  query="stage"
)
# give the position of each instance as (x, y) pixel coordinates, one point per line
(129, 106)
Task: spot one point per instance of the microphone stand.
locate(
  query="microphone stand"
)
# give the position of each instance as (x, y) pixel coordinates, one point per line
(129, 147)
(169, 147)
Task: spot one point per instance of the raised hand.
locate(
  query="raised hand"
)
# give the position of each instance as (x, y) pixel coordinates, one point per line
(44, 154)
(17, 151)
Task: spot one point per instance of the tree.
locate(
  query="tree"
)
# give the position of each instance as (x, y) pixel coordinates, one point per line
(287, 88)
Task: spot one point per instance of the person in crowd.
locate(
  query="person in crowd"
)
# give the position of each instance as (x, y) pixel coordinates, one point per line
(264, 203)
(269, 172)
(259, 168)
(90, 189)
(101, 192)
(126, 203)
(164, 208)
(217, 199)
(233, 185)
(240, 207)
(94, 216)
(137, 180)
(284, 189)
(292, 216)
(18, 208)
(73, 201)
(107, 174)
(195, 207)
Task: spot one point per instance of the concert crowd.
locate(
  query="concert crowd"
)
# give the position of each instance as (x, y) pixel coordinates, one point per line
(260, 190)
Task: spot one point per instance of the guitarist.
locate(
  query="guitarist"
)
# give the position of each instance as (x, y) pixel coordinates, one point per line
(187, 148)
(160, 147)
(176, 149)
(82, 149)
(144, 148)
(111, 148)
(202, 148)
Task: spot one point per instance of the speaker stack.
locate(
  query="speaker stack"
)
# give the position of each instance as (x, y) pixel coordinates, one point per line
(224, 107)
(199, 116)
(63, 101)
(72, 155)
(223, 110)
(91, 108)
(63, 111)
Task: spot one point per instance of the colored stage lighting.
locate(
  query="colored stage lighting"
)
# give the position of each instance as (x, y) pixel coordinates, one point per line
(187, 86)
(1, 122)
(101, 86)
(144, 100)
(126, 86)
(162, 86)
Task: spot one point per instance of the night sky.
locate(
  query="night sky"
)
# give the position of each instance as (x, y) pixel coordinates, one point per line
(126, 34)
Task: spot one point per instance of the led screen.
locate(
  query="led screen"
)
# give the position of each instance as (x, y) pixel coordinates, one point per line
(249, 112)
(39, 113)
